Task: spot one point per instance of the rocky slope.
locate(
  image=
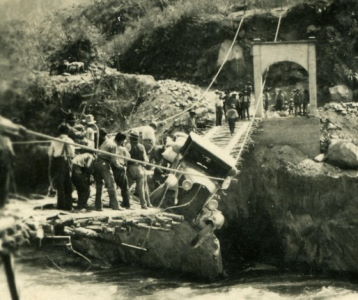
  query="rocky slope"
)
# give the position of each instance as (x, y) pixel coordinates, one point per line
(117, 100)
(291, 211)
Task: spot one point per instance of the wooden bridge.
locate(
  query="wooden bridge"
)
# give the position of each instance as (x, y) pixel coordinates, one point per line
(231, 144)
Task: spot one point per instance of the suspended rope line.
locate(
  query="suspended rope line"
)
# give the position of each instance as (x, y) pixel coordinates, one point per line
(31, 142)
(214, 78)
(48, 137)
(278, 28)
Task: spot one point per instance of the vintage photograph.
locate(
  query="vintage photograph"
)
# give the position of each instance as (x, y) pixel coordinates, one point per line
(178, 149)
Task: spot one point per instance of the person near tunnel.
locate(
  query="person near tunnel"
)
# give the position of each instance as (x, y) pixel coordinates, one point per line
(305, 101)
(297, 100)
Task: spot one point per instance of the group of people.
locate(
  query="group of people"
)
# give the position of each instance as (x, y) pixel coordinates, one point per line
(234, 106)
(114, 163)
(294, 102)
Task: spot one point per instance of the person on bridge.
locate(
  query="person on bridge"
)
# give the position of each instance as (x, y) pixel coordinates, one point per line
(137, 171)
(306, 100)
(246, 103)
(219, 110)
(103, 172)
(60, 156)
(232, 116)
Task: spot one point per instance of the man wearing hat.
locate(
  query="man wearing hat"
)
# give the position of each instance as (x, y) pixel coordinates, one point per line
(103, 171)
(92, 131)
(147, 136)
(136, 169)
(119, 173)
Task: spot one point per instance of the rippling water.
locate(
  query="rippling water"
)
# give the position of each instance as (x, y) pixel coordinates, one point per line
(40, 282)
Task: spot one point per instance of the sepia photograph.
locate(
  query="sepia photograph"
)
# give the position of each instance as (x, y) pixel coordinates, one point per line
(178, 149)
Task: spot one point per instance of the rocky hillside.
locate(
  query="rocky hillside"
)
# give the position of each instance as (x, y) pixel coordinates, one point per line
(181, 39)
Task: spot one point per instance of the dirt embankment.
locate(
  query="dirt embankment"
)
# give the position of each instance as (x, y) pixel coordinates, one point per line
(291, 211)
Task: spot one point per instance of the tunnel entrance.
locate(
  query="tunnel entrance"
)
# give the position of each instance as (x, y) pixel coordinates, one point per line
(283, 81)
(267, 54)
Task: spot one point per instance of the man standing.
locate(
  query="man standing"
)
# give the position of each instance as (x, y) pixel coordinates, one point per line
(219, 109)
(92, 132)
(119, 171)
(191, 122)
(231, 116)
(297, 100)
(306, 100)
(81, 173)
(246, 102)
(60, 155)
(103, 172)
(137, 170)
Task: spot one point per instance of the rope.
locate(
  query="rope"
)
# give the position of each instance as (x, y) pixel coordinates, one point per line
(48, 137)
(30, 142)
(278, 27)
(215, 77)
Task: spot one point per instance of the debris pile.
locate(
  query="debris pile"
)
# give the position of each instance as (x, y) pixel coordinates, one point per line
(171, 98)
(106, 227)
(338, 122)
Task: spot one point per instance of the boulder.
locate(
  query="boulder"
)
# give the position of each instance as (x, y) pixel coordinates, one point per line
(341, 93)
(343, 154)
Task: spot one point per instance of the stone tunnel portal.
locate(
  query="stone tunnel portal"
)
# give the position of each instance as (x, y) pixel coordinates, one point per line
(266, 54)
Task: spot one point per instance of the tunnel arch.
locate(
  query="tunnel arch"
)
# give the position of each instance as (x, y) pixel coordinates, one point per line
(286, 73)
(302, 53)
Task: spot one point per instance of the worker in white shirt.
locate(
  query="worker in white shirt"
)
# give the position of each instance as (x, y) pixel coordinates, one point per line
(60, 155)
(147, 136)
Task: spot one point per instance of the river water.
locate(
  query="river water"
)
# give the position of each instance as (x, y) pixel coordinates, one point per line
(43, 282)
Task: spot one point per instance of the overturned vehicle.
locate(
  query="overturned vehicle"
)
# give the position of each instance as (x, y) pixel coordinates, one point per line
(203, 169)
